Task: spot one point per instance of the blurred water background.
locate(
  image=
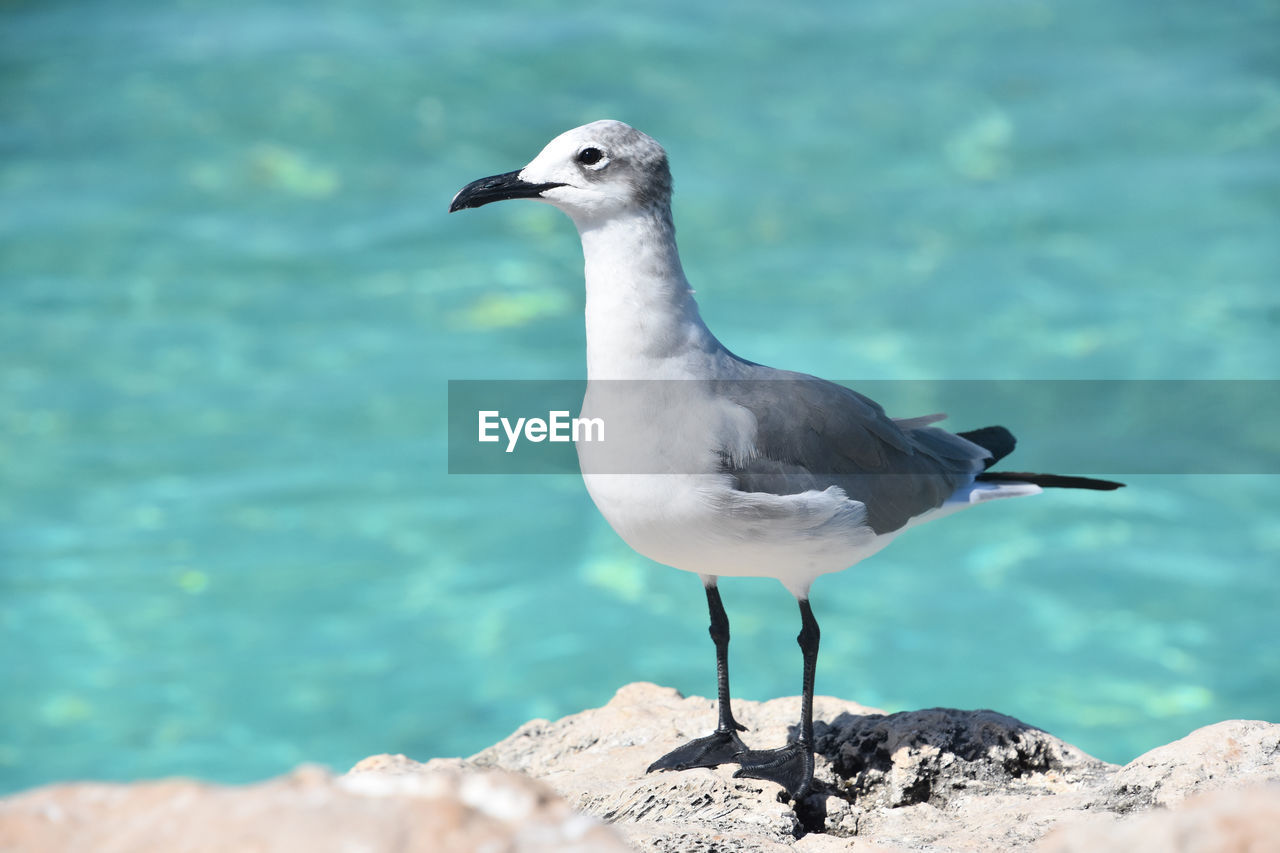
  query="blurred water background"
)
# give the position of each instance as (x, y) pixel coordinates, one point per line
(231, 300)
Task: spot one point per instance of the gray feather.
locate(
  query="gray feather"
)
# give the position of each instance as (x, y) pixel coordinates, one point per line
(813, 434)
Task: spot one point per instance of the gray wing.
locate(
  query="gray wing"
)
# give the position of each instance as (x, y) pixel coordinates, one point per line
(813, 434)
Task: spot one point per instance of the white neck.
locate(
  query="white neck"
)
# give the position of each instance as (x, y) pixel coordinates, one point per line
(642, 320)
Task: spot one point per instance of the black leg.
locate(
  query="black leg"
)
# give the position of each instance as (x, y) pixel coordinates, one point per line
(719, 631)
(808, 639)
(722, 745)
(792, 765)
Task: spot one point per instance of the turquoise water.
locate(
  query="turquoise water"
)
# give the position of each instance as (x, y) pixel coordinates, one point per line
(231, 301)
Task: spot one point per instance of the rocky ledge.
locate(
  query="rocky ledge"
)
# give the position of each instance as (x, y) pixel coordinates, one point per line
(935, 780)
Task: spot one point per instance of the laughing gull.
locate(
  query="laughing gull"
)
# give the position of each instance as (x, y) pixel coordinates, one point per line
(747, 470)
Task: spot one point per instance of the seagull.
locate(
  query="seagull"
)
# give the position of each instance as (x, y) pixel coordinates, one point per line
(720, 466)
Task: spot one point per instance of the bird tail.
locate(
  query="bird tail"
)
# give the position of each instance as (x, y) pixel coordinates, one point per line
(999, 442)
(1049, 481)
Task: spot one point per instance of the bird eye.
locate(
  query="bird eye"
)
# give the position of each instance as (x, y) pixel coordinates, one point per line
(590, 156)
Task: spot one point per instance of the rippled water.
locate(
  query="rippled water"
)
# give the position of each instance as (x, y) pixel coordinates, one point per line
(231, 301)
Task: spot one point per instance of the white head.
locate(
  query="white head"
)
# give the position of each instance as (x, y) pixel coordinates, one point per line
(594, 172)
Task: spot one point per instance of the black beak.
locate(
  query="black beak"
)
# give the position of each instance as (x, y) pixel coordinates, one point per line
(497, 188)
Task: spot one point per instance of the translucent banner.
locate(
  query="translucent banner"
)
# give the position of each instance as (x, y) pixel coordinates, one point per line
(1085, 427)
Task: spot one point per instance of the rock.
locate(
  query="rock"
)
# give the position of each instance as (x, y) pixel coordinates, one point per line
(597, 761)
(1224, 821)
(1226, 754)
(932, 756)
(381, 805)
(937, 780)
(901, 780)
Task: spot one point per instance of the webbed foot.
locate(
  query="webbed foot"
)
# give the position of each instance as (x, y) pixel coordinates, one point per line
(791, 767)
(720, 747)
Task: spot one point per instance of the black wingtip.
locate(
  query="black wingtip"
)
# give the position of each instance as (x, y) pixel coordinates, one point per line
(1050, 481)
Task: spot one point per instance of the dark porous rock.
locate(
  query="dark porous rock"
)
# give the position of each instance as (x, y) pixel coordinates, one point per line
(936, 755)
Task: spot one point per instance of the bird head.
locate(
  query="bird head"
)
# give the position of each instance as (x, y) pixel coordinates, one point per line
(597, 171)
